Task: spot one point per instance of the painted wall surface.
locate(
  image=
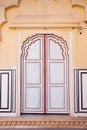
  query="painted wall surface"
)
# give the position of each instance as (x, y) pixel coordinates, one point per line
(8, 44)
(12, 38)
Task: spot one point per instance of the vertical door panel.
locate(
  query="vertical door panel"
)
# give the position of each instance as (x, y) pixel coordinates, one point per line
(57, 87)
(33, 74)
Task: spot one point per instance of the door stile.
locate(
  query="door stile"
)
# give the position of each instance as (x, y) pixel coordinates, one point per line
(45, 73)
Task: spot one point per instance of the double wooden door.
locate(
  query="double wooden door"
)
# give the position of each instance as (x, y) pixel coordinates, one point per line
(44, 75)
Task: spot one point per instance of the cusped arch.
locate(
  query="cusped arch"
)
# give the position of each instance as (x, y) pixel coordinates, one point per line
(28, 42)
(62, 43)
(58, 40)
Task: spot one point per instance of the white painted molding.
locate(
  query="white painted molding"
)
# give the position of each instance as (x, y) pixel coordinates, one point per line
(82, 4)
(3, 6)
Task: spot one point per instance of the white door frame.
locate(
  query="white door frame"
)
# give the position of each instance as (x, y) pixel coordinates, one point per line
(71, 82)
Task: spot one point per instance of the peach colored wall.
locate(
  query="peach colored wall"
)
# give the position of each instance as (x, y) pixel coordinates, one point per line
(8, 44)
(65, 21)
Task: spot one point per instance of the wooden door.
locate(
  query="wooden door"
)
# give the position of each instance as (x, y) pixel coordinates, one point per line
(44, 75)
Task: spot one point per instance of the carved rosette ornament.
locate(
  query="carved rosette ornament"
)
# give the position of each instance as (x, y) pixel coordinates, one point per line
(3, 6)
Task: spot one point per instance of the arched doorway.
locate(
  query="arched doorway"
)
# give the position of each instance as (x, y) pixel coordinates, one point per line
(44, 67)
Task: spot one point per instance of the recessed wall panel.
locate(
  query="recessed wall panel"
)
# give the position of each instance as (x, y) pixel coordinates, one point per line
(84, 90)
(4, 91)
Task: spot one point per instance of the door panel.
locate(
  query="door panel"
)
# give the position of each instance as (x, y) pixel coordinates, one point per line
(33, 98)
(45, 82)
(32, 73)
(57, 78)
(56, 73)
(55, 51)
(32, 50)
(57, 93)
